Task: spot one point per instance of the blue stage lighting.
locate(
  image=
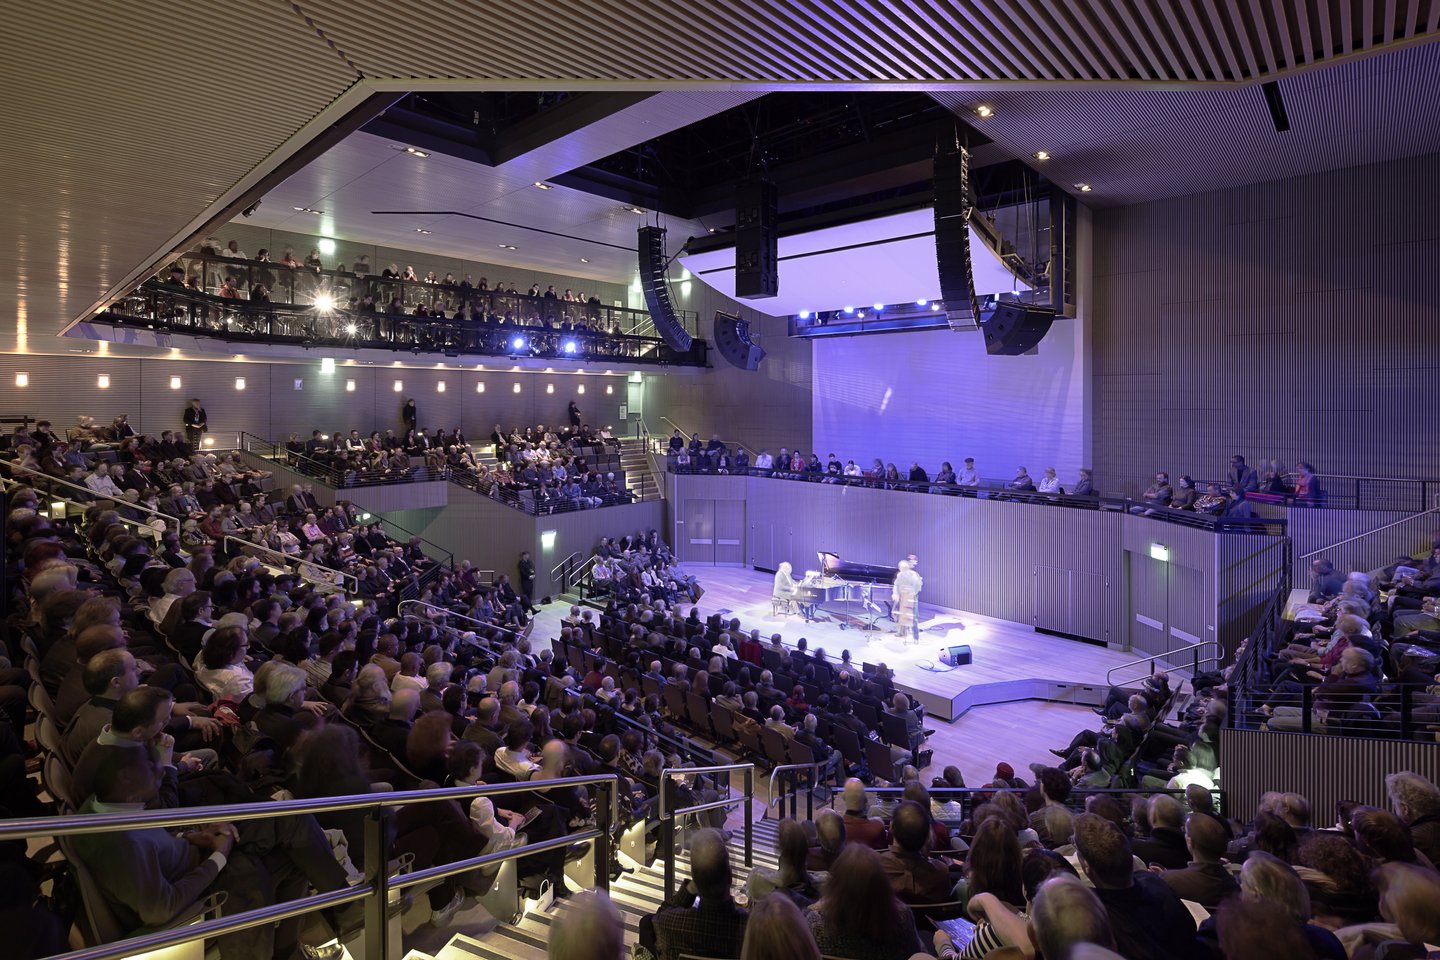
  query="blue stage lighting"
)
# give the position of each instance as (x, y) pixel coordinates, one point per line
(922, 303)
(804, 314)
(878, 307)
(517, 343)
(570, 346)
(849, 310)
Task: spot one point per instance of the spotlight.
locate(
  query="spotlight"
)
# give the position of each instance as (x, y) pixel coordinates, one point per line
(542, 186)
(922, 303)
(1084, 187)
(327, 364)
(861, 314)
(584, 259)
(1041, 155)
(878, 307)
(849, 311)
(250, 210)
(570, 346)
(324, 302)
(422, 230)
(934, 306)
(984, 110)
(326, 246)
(416, 153)
(517, 343)
(350, 329)
(804, 314)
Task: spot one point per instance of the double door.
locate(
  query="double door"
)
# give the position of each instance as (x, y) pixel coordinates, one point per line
(713, 532)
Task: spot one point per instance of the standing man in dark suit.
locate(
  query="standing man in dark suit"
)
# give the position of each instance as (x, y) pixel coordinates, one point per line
(196, 423)
(527, 577)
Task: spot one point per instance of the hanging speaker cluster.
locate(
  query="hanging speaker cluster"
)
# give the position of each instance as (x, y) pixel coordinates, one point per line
(656, 287)
(757, 241)
(732, 339)
(952, 236)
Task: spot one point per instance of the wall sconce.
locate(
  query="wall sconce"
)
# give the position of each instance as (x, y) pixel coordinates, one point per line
(175, 383)
(327, 364)
(103, 381)
(299, 384)
(440, 387)
(349, 386)
(580, 388)
(517, 388)
(239, 383)
(547, 540)
(399, 385)
(480, 387)
(549, 388)
(22, 379)
(609, 389)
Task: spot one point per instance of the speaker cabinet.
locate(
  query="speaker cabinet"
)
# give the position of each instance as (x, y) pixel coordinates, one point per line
(757, 241)
(952, 237)
(732, 339)
(1013, 328)
(656, 287)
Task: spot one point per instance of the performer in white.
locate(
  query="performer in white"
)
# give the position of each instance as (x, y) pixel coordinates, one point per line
(907, 601)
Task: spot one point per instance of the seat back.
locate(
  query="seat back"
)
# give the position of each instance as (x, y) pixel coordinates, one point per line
(868, 715)
(892, 728)
(800, 753)
(774, 744)
(47, 734)
(56, 777)
(41, 701)
(675, 699)
(650, 686)
(878, 758)
(97, 921)
(750, 740)
(847, 741)
(698, 709)
(724, 719)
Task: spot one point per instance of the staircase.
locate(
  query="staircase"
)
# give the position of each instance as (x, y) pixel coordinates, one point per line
(640, 479)
(635, 895)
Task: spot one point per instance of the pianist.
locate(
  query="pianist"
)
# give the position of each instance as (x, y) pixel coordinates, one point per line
(786, 592)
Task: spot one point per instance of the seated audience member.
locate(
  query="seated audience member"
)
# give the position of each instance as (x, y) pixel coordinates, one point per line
(791, 877)
(1021, 482)
(994, 886)
(777, 931)
(914, 876)
(1258, 930)
(1158, 494)
(714, 926)
(150, 877)
(1147, 918)
(1167, 845)
(1268, 879)
(589, 929)
(859, 828)
(1416, 801)
(830, 840)
(858, 915)
(1066, 913)
(1204, 880)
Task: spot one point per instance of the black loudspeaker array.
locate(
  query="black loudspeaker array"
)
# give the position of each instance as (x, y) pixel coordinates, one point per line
(732, 339)
(952, 237)
(1063, 210)
(656, 285)
(1012, 328)
(757, 241)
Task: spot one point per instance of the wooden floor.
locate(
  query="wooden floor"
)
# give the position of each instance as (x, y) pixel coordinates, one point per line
(998, 718)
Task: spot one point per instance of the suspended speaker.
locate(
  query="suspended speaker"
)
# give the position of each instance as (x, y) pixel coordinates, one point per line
(1012, 328)
(656, 286)
(732, 339)
(952, 236)
(757, 241)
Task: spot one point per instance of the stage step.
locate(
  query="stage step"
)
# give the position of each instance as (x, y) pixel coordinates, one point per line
(637, 894)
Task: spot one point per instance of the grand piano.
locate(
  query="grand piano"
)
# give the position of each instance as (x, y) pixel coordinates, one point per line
(858, 586)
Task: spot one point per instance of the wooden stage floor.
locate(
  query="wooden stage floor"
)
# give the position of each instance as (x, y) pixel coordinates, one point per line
(1011, 662)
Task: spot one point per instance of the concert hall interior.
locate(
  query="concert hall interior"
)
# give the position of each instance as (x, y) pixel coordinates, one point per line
(726, 481)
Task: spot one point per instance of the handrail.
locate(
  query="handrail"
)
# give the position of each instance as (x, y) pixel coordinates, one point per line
(375, 890)
(811, 782)
(667, 816)
(400, 609)
(680, 744)
(1361, 536)
(1164, 656)
(91, 494)
(299, 562)
(555, 570)
(783, 768)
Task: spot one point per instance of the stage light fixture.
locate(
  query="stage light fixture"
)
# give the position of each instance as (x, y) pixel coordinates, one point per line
(584, 259)
(984, 110)
(549, 388)
(609, 389)
(804, 314)
(1084, 187)
(580, 388)
(849, 311)
(570, 346)
(350, 329)
(878, 307)
(542, 186)
(922, 303)
(517, 343)
(1041, 155)
(326, 246)
(416, 153)
(324, 302)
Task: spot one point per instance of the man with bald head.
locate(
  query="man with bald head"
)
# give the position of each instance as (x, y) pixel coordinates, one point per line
(392, 731)
(1205, 881)
(860, 828)
(108, 676)
(712, 927)
(487, 729)
(830, 832)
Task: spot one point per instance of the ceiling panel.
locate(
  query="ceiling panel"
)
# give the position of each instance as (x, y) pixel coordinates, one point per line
(126, 120)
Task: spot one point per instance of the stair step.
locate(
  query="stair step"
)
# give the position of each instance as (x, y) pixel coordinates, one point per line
(496, 946)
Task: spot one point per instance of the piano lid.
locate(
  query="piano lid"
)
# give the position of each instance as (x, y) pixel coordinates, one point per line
(834, 566)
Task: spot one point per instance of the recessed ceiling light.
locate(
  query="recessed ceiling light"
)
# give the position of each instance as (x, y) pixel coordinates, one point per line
(1041, 155)
(712, 229)
(542, 186)
(634, 209)
(308, 210)
(416, 153)
(1083, 187)
(584, 259)
(984, 110)
(421, 230)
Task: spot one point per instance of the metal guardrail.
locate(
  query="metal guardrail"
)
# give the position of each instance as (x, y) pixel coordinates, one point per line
(1367, 533)
(968, 798)
(732, 444)
(451, 614)
(332, 474)
(287, 559)
(45, 482)
(378, 882)
(791, 773)
(1192, 648)
(668, 815)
